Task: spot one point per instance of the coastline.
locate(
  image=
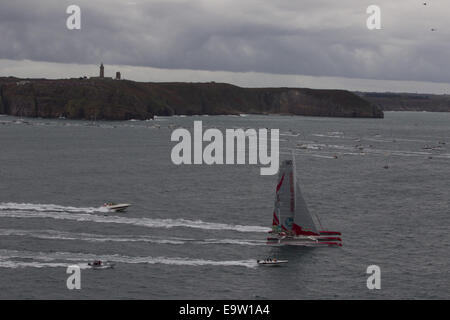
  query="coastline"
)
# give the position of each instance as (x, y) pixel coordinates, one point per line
(107, 99)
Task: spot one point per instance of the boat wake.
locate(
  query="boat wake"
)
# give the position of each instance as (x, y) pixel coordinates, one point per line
(10, 206)
(11, 210)
(60, 235)
(21, 259)
(23, 264)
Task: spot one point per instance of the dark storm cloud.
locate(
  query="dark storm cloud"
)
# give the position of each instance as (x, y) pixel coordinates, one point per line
(312, 37)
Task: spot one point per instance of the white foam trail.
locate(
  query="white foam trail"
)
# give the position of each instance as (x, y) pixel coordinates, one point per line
(327, 135)
(318, 150)
(48, 207)
(377, 140)
(21, 264)
(412, 140)
(235, 242)
(320, 156)
(9, 259)
(14, 264)
(309, 154)
(59, 235)
(289, 134)
(142, 222)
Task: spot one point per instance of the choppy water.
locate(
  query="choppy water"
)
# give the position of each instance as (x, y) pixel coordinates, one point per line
(196, 231)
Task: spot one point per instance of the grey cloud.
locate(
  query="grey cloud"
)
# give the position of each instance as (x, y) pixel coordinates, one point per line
(319, 38)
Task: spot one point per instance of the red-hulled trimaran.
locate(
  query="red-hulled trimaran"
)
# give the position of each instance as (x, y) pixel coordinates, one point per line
(292, 223)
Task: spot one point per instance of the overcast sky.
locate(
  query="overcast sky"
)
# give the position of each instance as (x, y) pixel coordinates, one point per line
(315, 43)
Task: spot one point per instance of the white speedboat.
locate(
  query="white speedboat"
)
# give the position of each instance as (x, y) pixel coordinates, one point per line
(271, 262)
(116, 207)
(98, 264)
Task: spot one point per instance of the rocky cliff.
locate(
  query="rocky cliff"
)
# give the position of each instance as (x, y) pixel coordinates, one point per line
(388, 101)
(122, 100)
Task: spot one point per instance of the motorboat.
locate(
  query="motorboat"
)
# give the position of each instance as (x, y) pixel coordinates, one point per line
(98, 264)
(271, 262)
(116, 207)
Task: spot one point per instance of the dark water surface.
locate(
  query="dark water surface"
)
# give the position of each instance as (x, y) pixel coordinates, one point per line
(196, 231)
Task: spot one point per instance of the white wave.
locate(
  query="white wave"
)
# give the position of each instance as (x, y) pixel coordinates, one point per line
(378, 140)
(9, 259)
(412, 140)
(320, 150)
(235, 242)
(326, 135)
(60, 235)
(313, 155)
(14, 264)
(142, 222)
(288, 134)
(49, 207)
(21, 264)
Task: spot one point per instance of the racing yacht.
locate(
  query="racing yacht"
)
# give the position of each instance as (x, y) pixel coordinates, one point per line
(292, 223)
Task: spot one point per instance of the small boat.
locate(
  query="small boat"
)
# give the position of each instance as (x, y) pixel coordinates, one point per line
(98, 264)
(271, 262)
(116, 207)
(292, 224)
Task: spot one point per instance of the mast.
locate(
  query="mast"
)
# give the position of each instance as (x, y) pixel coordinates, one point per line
(294, 170)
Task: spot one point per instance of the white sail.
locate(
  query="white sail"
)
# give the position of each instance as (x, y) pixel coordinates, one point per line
(284, 208)
(291, 213)
(303, 222)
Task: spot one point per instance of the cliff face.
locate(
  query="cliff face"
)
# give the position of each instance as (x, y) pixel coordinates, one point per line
(123, 100)
(408, 101)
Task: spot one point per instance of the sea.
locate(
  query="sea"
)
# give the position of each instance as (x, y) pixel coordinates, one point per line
(196, 231)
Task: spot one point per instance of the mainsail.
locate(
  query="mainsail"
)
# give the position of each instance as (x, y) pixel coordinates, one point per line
(291, 214)
(284, 208)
